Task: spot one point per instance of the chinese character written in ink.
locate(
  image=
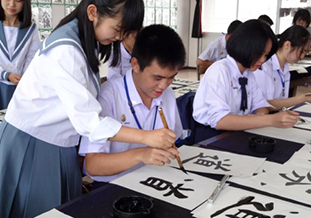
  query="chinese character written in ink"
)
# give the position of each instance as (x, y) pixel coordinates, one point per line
(219, 165)
(162, 185)
(298, 180)
(249, 213)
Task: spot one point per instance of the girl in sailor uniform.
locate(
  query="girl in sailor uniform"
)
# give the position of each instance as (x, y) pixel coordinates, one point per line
(157, 55)
(55, 103)
(274, 77)
(19, 41)
(228, 89)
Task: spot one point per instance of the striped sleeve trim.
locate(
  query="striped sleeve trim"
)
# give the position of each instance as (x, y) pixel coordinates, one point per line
(5, 75)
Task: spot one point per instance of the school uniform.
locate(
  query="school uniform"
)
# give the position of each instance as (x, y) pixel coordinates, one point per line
(272, 80)
(219, 93)
(17, 49)
(114, 98)
(53, 104)
(215, 51)
(122, 67)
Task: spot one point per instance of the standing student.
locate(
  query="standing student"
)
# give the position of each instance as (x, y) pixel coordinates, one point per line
(216, 50)
(126, 47)
(228, 91)
(274, 77)
(302, 18)
(157, 55)
(19, 41)
(55, 103)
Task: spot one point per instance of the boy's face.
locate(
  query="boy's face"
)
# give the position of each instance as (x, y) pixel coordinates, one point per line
(153, 80)
(302, 23)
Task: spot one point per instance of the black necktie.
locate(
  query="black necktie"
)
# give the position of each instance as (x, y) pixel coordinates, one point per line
(243, 82)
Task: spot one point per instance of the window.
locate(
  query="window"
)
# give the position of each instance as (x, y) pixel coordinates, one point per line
(216, 17)
(288, 10)
(161, 12)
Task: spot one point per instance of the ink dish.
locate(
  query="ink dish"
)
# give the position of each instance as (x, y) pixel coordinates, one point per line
(261, 144)
(132, 207)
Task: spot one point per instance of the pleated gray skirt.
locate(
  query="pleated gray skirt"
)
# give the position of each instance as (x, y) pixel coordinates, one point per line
(35, 176)
(6, 93)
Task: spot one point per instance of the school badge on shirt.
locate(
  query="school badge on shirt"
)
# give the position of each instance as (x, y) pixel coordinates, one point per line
(123, 119)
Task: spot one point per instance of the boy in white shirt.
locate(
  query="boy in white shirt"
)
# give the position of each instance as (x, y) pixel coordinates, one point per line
(134, 100)
(216, 50)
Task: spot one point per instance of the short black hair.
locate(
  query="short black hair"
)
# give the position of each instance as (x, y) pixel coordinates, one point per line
(266, 18)
(132, 19)
(24, 16)
(233, 26)
(297, 35)
(161, 43)
(247, 44)
(302, 14)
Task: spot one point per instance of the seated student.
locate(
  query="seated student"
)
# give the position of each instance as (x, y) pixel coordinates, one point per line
(157, 55)
(126, 47)
(302, 18)
(216, 50)
(228, 89)
(274, 77)
(265, 18)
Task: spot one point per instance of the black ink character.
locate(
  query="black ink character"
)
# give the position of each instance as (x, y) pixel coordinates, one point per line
(298, 180)
(248, 213)
(209, 163)
(161, 185)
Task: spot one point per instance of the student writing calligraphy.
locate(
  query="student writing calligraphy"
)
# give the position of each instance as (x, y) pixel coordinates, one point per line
(274, 77)
(19, 41)
(55, 102)
(216, 50)
(228, 90)
(157, 55)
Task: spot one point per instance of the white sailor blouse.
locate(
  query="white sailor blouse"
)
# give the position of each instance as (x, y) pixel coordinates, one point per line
(17, 60)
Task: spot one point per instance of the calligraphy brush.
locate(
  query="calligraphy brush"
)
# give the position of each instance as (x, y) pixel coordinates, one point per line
(289, 112)
(166, 126)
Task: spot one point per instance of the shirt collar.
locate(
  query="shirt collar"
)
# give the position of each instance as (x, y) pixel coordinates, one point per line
(235, 69)
(134, 95)
(276, 65)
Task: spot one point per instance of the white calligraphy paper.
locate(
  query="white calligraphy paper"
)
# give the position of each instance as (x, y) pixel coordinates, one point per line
(217, 162)
(304, 108)
(291, 180)
(169, 184)
(304, 125)
(234, 202)
(52, 214)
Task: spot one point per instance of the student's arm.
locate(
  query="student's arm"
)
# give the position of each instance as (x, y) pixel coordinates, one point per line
(203, 65)
(102, 164)
(162, 138)
(73, 87)
(238, 122)
(288, 102)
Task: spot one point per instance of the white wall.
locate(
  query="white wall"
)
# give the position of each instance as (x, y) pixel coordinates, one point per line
(193, 42)
(183, 27)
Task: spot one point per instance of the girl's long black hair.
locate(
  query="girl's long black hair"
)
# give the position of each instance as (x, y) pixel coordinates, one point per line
(132, 19)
